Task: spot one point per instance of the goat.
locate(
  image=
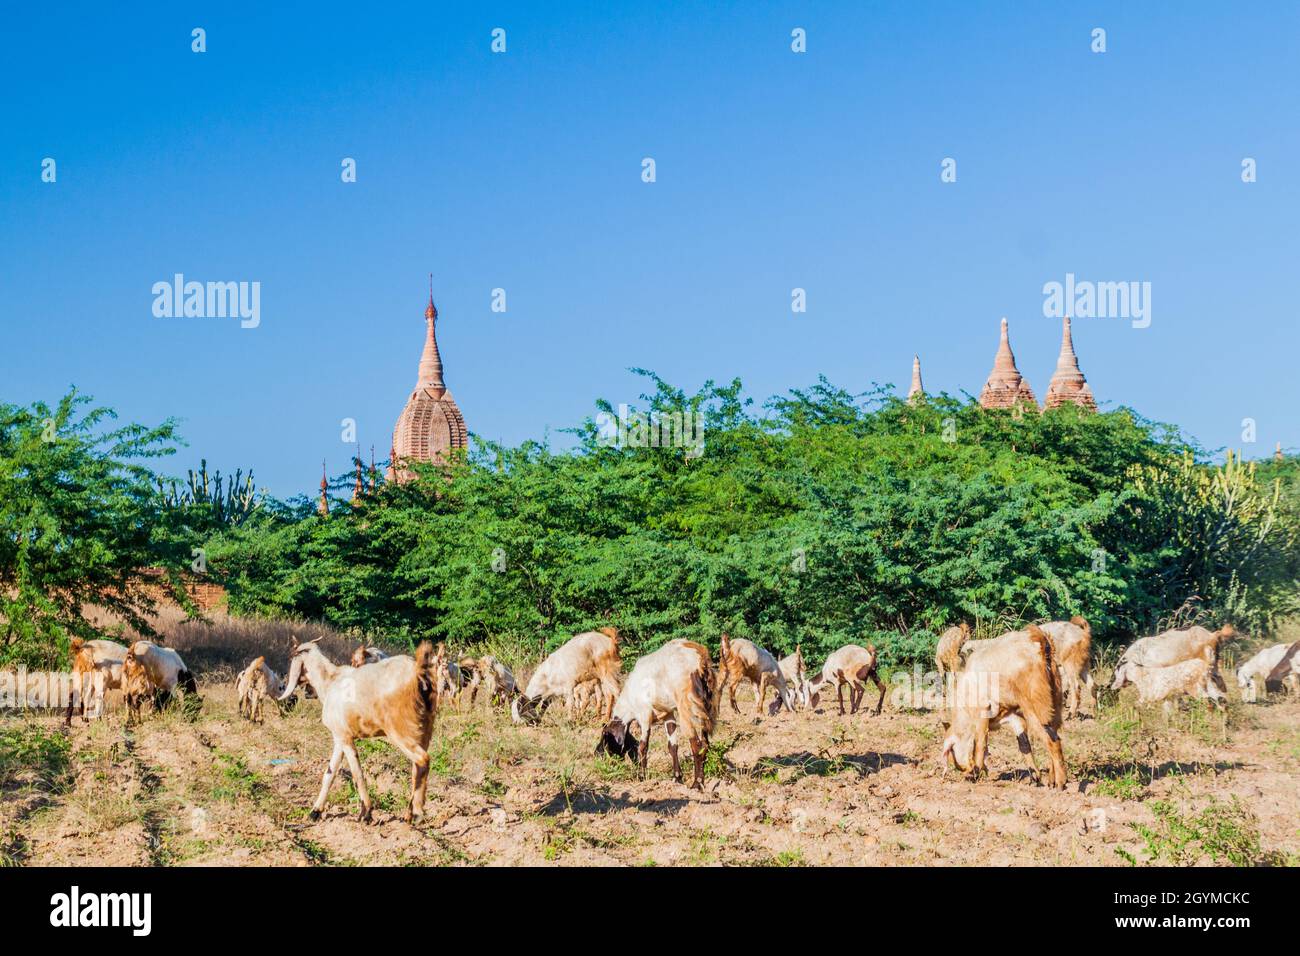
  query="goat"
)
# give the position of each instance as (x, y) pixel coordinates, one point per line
(1169, 647)
(492, 674)
(1259, 670)
(137, 688)
(96, 668)
(676, 686)
(1013, 681)
(166, 669)
(1287, 670)
(395, 698)
(1197, 677)
(851, 665)
(947, 653)
(1072, 651)
(366, 654)
(255, 684)
(742, 660)
(796, 675)
(592, 654)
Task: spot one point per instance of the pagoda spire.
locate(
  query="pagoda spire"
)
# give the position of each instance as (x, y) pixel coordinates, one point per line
(1068, 383)
(431, 360)
(374, 473)
(323, 508)
(1006, 387)
(917, 392)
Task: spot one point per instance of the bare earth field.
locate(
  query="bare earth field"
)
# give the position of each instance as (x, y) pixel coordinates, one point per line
(795, 789)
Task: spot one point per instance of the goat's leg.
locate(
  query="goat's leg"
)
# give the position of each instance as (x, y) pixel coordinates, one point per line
(1057, 755)
(672, 749)
(645, 754)
(979, 756)
(419, 786)
(354, 764)
(697, 754)
(760, 691)
(332, 771)
(880, 701)
(839, 695)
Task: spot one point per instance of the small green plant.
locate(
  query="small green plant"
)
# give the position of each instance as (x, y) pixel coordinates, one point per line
(32, 754)
(1127, 786)
(1225, 832)
(789, 858)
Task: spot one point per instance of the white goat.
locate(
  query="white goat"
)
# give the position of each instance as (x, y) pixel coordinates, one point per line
(395, 698)
(851, 665)
(796, 675)
(675, 686)
(593, 654)
(1169, 647)
(1257, 671)
(165, 668)
(1197, 678)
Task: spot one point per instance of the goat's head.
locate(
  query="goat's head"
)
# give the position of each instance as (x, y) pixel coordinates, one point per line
(523, 710)
(1122, 678)
(359, 656)
(616, 739)
(296, 661)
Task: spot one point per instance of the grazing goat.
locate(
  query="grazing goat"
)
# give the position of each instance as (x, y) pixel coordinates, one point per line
(166, 669)
(395, 698)
(592, 654)
(1198, 677)
(676, 686)
(1013, 681)
(947, 653)
(851, 665)
(796, 675)
(1170, 647)
(366, 654)
(1287, 670)
(1072, 651)
(255, 684)
(137, 688)
(96, 668)
(743, 660)
(487, 671)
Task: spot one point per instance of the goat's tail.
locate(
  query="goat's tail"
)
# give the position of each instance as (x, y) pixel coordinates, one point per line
(697, 699)
(427, 662)
(1081, 622)
(1039, 637)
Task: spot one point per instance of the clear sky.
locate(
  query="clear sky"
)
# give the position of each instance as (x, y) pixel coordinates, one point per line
(522, 171)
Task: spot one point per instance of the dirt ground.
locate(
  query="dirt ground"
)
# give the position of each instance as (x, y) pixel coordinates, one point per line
(794, 789)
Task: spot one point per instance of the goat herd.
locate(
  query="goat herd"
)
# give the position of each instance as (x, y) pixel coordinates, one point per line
(1026, 680)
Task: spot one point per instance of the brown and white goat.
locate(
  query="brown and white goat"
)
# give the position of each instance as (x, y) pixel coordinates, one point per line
(590, 655)
(166, 669)
(851, 665)
(675, 686)
(96, 668)
(1169, 647)
(137, 687)
(1072, 651)
(1198, 677)
(1012, 682)
(947, 653)
(743, 660)
(395, 698)
(492, 674)
(256, 684)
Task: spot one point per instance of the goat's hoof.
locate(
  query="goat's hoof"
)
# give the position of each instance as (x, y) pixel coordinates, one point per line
(364, 816)
(314, 815)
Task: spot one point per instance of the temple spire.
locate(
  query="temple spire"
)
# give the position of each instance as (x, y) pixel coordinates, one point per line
(374, 472)
(431, 360)
(1006, 387)
(1068, 383)
(917, 391)
(323, 508)
(358, 489)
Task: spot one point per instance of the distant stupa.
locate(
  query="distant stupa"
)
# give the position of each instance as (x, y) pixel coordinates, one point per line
(917, 392)
(1006, 387)
(431, 424)
(1068, 383)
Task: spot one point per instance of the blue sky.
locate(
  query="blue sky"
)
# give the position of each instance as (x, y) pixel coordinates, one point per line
(522, 171)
